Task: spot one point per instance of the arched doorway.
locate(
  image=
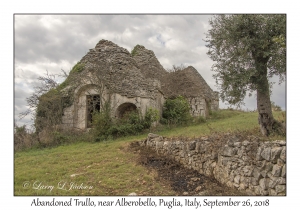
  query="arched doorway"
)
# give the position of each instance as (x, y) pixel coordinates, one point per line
(124, 109)
(92, 106)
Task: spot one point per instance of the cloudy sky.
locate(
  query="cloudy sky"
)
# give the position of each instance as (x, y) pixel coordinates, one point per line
(54, 42)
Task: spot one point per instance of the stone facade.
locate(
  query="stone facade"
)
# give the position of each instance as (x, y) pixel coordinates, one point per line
(256, 167)
(133, 81)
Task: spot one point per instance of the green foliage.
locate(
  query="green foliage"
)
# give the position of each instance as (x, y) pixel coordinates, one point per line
(132, 123)
(176, 111)
(79, 67)
(151, 116)
(20, 130)
(246, 49)
(49, 110)
(60, 138)
(134, 51)
(63, 85)
(102, 122)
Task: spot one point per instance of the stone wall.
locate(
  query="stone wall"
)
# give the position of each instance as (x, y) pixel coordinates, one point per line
(244, 163)
(198, 106)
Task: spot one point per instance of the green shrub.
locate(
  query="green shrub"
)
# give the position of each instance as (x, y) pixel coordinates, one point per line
(102, 122)
(151, 116)
(132, 123)
(176, 111)
(60, 138)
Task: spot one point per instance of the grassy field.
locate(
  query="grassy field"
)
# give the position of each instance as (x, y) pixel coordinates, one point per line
(108, 168)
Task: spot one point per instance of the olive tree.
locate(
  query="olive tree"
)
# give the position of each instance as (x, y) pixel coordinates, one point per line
(247, 50)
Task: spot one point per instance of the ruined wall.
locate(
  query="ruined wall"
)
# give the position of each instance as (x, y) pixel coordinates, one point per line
(258, 168)
(198, 106)
(76, 115)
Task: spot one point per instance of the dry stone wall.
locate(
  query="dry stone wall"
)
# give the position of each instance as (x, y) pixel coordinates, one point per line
(248, 164)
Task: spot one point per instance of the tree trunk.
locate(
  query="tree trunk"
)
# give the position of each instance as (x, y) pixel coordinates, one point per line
(265, 116)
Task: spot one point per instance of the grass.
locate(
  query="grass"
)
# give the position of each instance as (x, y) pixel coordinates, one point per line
(224, 121)
(107, 168)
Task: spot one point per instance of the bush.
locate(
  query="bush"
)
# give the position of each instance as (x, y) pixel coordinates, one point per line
(102, 122)
(176, 111)
(104, 128)
(23, 139)
(151, 116)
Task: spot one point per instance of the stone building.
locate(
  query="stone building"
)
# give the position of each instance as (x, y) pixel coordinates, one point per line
(131, 81)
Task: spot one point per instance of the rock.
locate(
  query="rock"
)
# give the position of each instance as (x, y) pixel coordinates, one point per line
(283, 154)
(263, 192)
(237, 144)
(185, 193)
(152, 135)
(256, 173)
(245, 143)
(266, 153)
(192, 145)
(240, 152)
(248, 171)
(230, 142)
(272, 192)
(278, 180)
(256, 190)
(132, 194)
(273, 183)
(283, 171)
(280, 162)
(254, 181)
(268, 167)
(214, 156)
(237, 179)
(264, 183)
(280, 188)
(195, 179)
(242, 187)
(264, 173)
(229, 151)
(275, 152)
(229, 184)
(258, 154)
(198, 188)
(276, 170)
(280, 142)
(204, 138)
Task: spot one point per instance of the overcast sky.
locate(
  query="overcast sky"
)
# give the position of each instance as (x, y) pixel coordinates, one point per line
(55, 42)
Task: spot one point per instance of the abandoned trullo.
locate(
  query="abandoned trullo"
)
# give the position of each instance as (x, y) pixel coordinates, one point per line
(131, 81)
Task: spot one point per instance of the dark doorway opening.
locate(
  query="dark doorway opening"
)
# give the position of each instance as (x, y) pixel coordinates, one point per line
(125, 109)
(93, 105)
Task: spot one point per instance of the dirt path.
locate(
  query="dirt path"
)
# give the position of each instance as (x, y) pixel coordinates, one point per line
(182, 180)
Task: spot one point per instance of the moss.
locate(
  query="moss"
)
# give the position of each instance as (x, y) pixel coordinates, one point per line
(134, 51)
(79, 67)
